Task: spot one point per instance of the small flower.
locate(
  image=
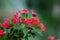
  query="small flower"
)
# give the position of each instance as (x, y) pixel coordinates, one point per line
(34, 20)
(23, 20)
(15, 20)
(6, 19)
(5, 24)
(23, 10)
(42, 27)
(1, 32)
(28, 22)
(15, 14)
(29, 19)
(35, 24)
(51, 37)
(34, 14)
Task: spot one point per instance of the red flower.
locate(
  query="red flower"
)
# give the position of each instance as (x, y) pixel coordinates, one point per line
(51, 37)
(24, 20)
(34, 20)
(42, 27)
(34, 14)
(15, 14)
(1, 32)
(28, 22)
(5, 24)
(15, 20)
(23, 10)
(6, 19)
(29, 19)
(35, 24)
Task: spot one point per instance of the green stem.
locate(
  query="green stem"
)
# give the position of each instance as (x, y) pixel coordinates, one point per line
(0, 38)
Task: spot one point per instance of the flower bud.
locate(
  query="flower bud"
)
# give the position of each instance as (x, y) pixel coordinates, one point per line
(51, 37)
(42, 27)
(5, 24)
(34, 14)
(1, 32)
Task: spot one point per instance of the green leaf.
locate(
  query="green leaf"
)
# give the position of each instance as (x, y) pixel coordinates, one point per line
(33, 33)
(25, 31)
(37, 30)
(16, 34)
(16, 27)
(4, 37)
(24, 15)
(22, 26)
(9, 30)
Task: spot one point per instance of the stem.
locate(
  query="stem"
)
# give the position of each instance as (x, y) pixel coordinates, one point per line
(0, 38)
(26, 37)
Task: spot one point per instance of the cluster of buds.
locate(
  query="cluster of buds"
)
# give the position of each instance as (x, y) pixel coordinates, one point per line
(17, 17)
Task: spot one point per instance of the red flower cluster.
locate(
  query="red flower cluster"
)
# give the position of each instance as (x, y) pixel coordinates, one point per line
(15, 14)
(35, 21)
(15, 18)
(5, 23)
(27, 21)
